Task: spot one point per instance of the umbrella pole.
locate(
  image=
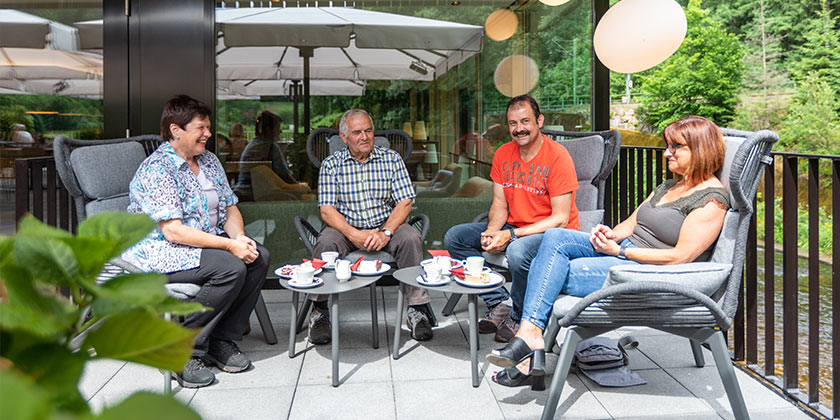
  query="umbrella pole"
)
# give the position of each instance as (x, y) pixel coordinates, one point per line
(306, 53)
(295, 100)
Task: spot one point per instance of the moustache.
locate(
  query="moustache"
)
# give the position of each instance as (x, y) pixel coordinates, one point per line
(521, 133)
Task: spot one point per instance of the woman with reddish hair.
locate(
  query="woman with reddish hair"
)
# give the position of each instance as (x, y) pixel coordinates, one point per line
(678, 223)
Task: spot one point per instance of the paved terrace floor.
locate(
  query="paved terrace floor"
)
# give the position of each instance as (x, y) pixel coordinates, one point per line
(431, 380)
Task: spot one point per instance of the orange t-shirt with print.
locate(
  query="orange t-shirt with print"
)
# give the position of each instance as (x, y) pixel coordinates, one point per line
(530, 185)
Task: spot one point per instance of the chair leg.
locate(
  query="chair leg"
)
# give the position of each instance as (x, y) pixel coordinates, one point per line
(450, 304)
(561, 372)
(727, 376)
(551, 333)
(167, 382)
(374, 316)
(697, 351)
(265, 321)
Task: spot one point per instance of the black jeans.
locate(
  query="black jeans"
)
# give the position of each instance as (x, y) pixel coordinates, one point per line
(228, 286)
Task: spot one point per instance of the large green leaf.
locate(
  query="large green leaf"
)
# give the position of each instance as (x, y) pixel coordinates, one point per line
(122, 228)
(21, 399)
(143, 338)
(91, 254)
(7, 244)
(131, 292)
(28, 309)
(145, 405)
(49, 259)
(30, 226)
(176, 307)
(56, 370)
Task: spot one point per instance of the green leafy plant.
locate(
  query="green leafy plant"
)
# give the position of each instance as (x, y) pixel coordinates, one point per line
(46, 338)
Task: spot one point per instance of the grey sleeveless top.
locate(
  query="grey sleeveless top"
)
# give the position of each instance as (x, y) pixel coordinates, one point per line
(658, 226)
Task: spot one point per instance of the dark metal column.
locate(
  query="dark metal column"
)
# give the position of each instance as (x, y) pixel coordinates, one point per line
(790, 299)
(115, 67)
(600, 103)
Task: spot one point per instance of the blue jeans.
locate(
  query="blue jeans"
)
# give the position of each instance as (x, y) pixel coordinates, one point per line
(566, 263)
(464, 240)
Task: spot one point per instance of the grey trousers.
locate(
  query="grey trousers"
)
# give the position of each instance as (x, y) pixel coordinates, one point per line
(405, 246)
(228, 286)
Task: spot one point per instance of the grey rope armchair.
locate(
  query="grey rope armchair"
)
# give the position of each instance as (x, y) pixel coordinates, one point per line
(697, 301)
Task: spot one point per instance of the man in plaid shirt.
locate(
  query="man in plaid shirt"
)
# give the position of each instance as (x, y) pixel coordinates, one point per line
(365, 196)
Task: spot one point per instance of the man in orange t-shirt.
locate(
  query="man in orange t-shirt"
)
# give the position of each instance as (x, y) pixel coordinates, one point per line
(534, 187)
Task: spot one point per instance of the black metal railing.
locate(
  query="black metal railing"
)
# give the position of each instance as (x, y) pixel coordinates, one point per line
(808, 358)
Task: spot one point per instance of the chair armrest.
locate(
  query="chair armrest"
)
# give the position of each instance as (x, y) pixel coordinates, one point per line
(421, 223)
(307, 233)
(483, 217)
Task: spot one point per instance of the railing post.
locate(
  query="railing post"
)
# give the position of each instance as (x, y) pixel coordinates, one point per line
(790, 303)
(813, 281)
(835, 289)
(769, 271)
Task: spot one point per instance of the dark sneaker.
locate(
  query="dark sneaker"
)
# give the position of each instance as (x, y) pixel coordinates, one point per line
(493, 318)
(506, 330)
(195, 374)
(319, 326)
(227, 356)
(418, 322)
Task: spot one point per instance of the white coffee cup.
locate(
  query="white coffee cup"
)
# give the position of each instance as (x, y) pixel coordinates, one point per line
(432, 272)
(475, 264)
(444, 262)
(329, 257)
(304, 274)
(342, 270)
(367, 266)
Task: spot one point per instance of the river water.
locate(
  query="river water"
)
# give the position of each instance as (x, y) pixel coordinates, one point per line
(825, 307)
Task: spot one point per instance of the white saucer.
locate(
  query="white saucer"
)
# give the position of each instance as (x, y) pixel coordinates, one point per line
(421, 279)
(458, 263)
(317, 281)
(328, 266)
(384, 269)
(277, 272)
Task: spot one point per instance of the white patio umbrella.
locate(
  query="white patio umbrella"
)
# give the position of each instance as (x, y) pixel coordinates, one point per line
(22, 30)
(284, 87)
(48, 63)
(338, 43)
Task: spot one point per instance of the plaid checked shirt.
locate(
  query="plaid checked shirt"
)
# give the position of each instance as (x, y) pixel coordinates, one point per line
(364, 193)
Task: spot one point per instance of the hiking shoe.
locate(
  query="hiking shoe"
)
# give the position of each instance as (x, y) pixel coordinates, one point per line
(227, 356)
(506, 330)
(195, 374)
(319, 326)
(493, 318)
(418, 322)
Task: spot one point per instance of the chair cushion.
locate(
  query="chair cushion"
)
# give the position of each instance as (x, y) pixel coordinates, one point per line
(337, 144)
(498, 260)
(475, 187)
(705, 277)
(106, 170)
(442, 179)
(589, 218)
(116, 203)
(732, 145)
(587, 154)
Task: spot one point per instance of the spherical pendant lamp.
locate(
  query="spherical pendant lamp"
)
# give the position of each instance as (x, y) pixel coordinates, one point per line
(553, 2)
(501, 24)
(635, 35)
(516, 75)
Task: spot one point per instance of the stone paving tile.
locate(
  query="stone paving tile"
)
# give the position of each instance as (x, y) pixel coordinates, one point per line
(368, 401)
(253, 404)
(576, 402)
(432, 362)
(445, 399)
(96, 375)
(134, 378)
(662, 392)
(270, 369)
(358, 365)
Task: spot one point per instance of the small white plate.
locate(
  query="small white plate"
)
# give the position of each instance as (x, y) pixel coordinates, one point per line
(495, 280)
(328, 266)
(421, 279)
(317, 281)
(384, 269)
(455, 263)
(277, 271)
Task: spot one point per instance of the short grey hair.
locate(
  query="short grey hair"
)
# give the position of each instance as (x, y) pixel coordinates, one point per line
(342, 123)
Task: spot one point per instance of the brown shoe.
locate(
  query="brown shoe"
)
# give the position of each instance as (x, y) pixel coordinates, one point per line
(506, 330)
(493, 318)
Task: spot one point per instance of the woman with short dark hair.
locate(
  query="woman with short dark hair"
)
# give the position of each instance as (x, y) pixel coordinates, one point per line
(678, 223)
(199, 238)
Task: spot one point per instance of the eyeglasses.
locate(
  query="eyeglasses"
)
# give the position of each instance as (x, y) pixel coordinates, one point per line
(673, 147)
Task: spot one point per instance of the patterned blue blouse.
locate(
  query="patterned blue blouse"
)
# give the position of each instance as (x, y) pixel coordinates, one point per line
(165, 188)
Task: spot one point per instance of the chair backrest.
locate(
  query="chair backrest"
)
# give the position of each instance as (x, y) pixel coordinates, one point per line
(97, 173)
(595, 154)
(323, 142)
(747, 154)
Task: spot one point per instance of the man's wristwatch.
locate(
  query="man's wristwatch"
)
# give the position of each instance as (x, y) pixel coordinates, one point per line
(621, 252)
(387, 232)
(512, 235)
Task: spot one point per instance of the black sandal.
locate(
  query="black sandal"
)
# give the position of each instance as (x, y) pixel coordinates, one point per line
(517, 351)
(513, 377)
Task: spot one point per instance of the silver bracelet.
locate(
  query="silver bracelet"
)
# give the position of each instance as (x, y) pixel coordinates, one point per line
(621, 252)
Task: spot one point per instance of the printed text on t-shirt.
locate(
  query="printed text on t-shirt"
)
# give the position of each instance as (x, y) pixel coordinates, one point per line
(533, 181)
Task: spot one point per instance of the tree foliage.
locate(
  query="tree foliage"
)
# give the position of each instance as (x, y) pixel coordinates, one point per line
(703, 77)
(812, 124)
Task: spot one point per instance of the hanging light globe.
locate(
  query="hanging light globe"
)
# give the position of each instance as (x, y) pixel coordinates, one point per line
(635, 35)
(554, 2)
(516, 75)
(501, 24)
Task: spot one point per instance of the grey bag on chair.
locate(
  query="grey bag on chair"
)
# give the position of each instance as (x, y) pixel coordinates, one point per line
(603, 360)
